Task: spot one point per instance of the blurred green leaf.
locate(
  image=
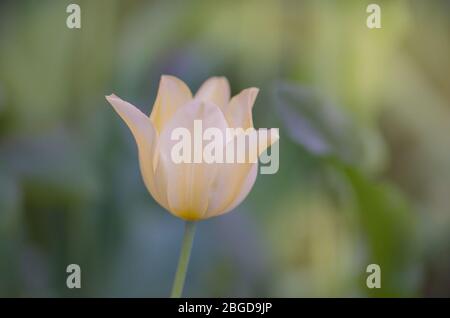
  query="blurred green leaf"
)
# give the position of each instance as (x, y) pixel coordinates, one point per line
(389, 225)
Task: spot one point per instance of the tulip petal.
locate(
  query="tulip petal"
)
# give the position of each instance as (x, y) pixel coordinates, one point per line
(146, 140)
(268, 139)
(188, 183)
(172, 94)
(227, 186)
(215, 90)
(239, 111)
(245, 188)
(235, 180)
(231, 176)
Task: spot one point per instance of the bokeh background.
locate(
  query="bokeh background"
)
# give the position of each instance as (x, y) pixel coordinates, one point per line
(364, 117)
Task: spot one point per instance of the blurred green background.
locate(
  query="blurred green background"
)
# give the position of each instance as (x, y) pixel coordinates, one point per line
(364, 117)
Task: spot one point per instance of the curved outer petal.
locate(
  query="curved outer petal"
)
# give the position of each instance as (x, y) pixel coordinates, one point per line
(188, 184)
(234, 181)
(227, 186)
(172, 94)
(215, 90)
(246, 186)
(230, 176)
(146, 139)
(239, 111)
(268, 139)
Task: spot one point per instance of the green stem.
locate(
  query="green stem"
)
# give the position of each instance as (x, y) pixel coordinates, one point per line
(183, 261)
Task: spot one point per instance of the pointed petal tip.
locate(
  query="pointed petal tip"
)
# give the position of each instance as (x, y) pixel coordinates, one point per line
(174, 85)
(253, 92)
(220, 78)
(172, 78)
(223, 79)
(168, 76)
(250, 93)
(111, 96)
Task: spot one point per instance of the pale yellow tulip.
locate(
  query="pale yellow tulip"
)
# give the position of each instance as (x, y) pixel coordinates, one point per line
(191, 191)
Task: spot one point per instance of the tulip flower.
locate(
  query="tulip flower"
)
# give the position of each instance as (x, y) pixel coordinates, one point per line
(192, 191)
